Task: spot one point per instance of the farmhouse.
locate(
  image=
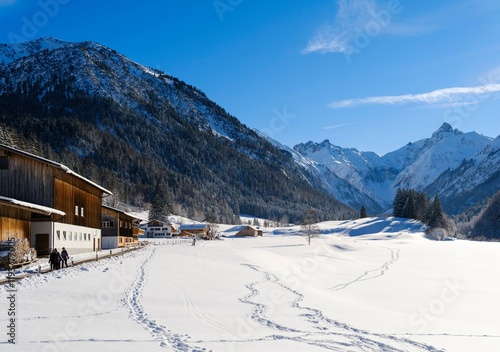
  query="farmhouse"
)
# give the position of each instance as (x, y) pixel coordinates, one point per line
(119, 229)
(158, 229)
(245, 231)
(48, 204)
(198, 230)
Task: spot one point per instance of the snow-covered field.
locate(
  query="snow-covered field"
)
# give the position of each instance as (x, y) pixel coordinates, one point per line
(369, 285)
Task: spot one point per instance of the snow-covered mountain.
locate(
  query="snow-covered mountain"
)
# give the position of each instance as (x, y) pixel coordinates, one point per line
(334, 184)
(136, 130)
(421, 165)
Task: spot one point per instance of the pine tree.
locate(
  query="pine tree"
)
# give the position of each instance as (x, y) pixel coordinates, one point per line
(161, 206)
(409, 207)
(362, 212)
(437, 218)
(398, 203)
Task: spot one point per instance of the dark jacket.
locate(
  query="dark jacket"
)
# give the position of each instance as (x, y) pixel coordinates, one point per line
(64, 254)
(55, 258)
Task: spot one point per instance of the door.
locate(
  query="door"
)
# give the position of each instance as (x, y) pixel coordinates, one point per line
(42, 244)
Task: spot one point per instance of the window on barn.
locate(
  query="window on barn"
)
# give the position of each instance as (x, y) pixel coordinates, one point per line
(58, 233)
(81, 212)
(4, 162)
(76, 210)
(64, 235)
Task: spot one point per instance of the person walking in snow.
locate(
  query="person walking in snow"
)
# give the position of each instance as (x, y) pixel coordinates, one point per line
(64, 257)
(55, 259)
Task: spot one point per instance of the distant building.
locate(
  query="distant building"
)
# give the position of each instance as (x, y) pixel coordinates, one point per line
(247, 231)
(198, 230)
(158, 229)
(119, 229)
(48, 204)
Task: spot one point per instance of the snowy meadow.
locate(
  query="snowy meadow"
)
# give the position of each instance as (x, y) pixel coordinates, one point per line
(373, 284)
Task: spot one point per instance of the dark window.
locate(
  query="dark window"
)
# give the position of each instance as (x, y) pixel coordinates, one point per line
(4, 162)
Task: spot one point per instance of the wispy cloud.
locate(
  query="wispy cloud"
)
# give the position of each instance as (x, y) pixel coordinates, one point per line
(439, 96)
(357, 20)
(337, 126)
(351, 16)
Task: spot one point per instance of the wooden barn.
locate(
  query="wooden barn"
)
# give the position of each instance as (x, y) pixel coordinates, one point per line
(118, 228)
(198, 230)
(246, 231)
(47, 203)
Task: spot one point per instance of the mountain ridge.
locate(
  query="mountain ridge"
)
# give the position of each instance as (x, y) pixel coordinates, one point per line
(420, 165)
(136, 130)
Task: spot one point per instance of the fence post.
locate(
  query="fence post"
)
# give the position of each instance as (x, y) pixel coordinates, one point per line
(96, 256)
(39, 269)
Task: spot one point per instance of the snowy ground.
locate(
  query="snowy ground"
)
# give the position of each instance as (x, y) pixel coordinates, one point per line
(368, 285)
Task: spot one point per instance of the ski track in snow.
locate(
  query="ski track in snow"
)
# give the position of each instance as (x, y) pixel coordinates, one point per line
(167, 338)
(371, 274)
(176, 283)
(325, 333)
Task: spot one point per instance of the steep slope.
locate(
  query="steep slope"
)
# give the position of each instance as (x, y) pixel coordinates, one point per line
(417, 165)
(335, 185)
(475, 179)
(446, 149)
(136, 130)
(349, 174)
(487, 224)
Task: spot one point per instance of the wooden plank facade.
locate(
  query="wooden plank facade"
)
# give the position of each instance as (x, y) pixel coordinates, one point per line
(119, 229)
(75, 221)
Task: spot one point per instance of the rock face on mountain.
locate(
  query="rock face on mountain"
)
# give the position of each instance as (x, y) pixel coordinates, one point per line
(462, 168)
(136, 130)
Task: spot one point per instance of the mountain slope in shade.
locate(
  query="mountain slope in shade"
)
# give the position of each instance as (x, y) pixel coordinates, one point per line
(417, 165)
(335, 185)
(138, 132)
(475, 179)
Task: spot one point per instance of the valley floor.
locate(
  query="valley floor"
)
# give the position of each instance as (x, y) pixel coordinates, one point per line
(369, 285)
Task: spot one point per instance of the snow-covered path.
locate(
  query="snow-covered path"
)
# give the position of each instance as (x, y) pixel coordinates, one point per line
(350, 290)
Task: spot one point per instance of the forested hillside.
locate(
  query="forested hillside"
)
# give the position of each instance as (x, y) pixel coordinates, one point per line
(137, 131)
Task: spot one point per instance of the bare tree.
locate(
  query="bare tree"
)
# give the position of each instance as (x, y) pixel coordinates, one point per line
(309, 227)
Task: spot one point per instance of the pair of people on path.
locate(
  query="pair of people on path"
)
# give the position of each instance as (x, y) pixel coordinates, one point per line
(56, 259)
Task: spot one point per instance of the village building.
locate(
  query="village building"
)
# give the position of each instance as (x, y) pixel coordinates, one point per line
(247, 231)
(48, 204)
(194, 230)
(119, 228)
(159, 229)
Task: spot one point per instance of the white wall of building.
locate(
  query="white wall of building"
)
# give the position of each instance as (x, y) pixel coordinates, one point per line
(158, 231)
(76, 239)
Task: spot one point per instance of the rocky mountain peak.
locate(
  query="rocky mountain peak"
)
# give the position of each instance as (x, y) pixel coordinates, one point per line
(444, 131)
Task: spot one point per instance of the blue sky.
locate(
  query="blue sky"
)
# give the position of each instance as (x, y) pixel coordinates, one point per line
(368, 74)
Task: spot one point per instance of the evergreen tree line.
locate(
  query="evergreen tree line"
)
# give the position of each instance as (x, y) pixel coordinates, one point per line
(486, 224)
(411, 204)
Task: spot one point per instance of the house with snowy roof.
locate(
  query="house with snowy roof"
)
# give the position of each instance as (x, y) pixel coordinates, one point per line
(47, 203)
(159, 229)
(247, 231)
(119, 228)
(197, 230)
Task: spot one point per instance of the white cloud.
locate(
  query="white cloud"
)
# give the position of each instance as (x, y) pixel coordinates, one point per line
(446, 95)
(352, 16)
(337, 126)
